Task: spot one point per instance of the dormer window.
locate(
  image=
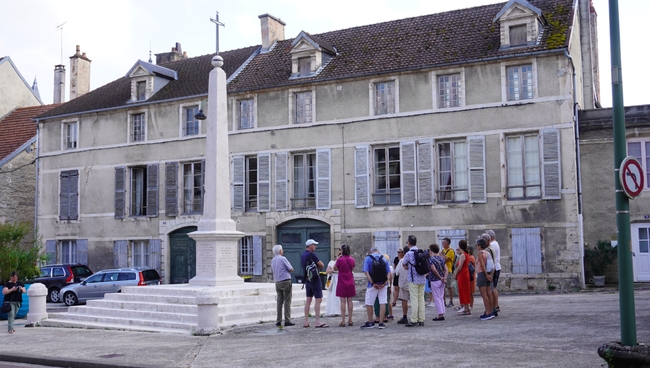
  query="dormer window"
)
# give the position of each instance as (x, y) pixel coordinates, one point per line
(521, 24)
(309, 55)
(147, 79)
(141, 90)
(518, 35)
(304, 66)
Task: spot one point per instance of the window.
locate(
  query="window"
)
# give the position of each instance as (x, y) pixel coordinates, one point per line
(190, 124)
(193, 187)
(304, 175)
(518, 35)
(520, 82)
(303, 107)
(526, 250)
(523, 166)
(246, 114)
(142, 182)
(137, 127)
(250, 255)
(452, 171)
(251, 183)
(68, 251)
(140, 253)
(69, 195)
(387, 176)
(141, 90)
(385, 98)
(304, 66)
(449, 91)
(70, 135)
(641, 151)
(138, 191)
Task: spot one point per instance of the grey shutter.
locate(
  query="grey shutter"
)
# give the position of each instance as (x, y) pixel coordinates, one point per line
(551, 164)
(154, 254)
(202, 185)
(281, 192)
(456, 235)
(120, 192)
(263, 182)
(425, 172)
(323, 179)
(152, 190)
(380, 241)
(533, 250)
(387, 242)
(361, 177)
(408, 173)
(74, 195)
(171, 189)
(238, 183)
(82, 251)
(120, 253)
(64, 195)
(477, 187)
(257, 255)
(50, 251)
(519, 261)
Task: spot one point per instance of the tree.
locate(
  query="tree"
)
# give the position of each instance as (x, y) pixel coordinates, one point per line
(23, 259)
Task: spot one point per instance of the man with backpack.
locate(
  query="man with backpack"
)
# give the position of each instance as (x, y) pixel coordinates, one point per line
(377, 271)
(416, 262)
(311, 266)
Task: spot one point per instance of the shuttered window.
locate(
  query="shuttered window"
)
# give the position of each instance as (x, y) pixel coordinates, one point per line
(304, 181)
(193, 182)
(408, 173)
(526, 251)
(455, 235)
(264, 182)
(238, 182)
(387, 242)
(120, 253)
(361, 177)
(385, 98)
(551, 183)
(251, 183)
(425, 172)
(120, 192)
(250, 255)
(50, 252)
(387, 171)
(281, 181)
(641, 151)
(452, 171)
(533, 165)
(138, 201)
(171, 189)
(323, 179)
(477, 185)
(152, 190)
(69, 195)
(518, 36)
(303, 108)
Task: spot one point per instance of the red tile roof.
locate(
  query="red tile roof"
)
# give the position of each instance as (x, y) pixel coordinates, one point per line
(17, 128)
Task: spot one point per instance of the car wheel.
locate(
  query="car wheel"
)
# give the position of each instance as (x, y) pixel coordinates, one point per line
(69, 299)
(54, 295)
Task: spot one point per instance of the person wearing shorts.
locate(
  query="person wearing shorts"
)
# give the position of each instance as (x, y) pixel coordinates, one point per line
(313, 289)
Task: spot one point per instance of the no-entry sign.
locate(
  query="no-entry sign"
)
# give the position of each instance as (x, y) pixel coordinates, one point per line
(631, 177)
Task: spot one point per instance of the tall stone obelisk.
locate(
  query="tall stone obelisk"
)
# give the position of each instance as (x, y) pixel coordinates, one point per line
(217, 235)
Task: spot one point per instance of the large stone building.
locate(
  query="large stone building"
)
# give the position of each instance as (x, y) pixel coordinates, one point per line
(439, 125)
(14, 89)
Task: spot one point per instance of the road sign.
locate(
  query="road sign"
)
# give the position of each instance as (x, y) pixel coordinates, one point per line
(631, 177)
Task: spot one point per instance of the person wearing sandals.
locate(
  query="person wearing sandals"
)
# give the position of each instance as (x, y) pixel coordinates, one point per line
(484, 279)
(13, 294)
(462, 278)
(313, 289)
(438, 278)
(345, 288)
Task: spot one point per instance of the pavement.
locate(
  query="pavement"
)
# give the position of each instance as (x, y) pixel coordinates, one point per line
(533, 330)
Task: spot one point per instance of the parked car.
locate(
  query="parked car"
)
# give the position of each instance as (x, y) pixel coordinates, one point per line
(108, 281)
(57, 276)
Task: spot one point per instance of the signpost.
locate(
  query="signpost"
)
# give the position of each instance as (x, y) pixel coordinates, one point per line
(631, 177)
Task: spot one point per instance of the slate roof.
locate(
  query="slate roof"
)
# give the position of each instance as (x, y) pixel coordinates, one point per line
(17, 128)
(427, 41)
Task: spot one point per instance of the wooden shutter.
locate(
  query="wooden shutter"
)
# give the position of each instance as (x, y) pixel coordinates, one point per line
(120, 253)
(281, 183)
(387, 242)
(361, 177)
(551, 183)
(456, 235)
(50, 251)
(519, 251)
(171, 189)
(477, 186)
(425, 172)
(534, 250)
(152, 190)
(64, 195)
(82, 251)
(120, 192)
(257, 255)
(323, 179)
(238, 166)
(408, 173)
(202, 185)
(154, 254)
(74, 195)
(263, 182)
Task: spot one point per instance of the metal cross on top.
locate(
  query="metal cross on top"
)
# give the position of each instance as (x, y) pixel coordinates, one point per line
(217, 24)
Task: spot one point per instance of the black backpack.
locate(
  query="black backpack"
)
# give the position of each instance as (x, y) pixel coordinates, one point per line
(378, 270)
(421, 261)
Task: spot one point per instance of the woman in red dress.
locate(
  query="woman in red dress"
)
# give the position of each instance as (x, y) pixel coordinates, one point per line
(345, 288)
(462, 278)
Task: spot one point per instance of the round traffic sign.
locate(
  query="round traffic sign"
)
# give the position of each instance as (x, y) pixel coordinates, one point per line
(631, 177)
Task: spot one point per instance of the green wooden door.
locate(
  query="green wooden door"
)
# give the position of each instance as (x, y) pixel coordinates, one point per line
(293, 235)
(182, 255)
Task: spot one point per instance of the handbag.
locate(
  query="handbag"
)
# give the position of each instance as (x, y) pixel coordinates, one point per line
(6, 307)
(472, 270)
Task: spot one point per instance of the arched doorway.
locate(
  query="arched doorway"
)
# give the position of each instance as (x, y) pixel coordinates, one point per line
(292, 236)
(182, 255)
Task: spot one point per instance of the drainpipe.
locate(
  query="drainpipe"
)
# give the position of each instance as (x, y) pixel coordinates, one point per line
(576, 130)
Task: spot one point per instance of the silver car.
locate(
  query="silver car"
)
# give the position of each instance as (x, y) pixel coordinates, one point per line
(108, 281)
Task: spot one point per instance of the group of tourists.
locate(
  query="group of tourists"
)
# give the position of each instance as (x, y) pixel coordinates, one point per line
(412, 273)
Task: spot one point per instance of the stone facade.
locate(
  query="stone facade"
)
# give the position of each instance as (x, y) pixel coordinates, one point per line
(18, 177)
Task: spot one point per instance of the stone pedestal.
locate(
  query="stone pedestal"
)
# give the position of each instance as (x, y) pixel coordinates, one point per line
(216, 258)
(207, 301)
(37, 302)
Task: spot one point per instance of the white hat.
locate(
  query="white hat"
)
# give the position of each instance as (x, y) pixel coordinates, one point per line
(310, 242)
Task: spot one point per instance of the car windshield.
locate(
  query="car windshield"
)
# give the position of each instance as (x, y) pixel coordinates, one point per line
(94, 278)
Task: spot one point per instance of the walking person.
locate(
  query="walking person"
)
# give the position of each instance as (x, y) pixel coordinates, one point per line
(496, 250)
(333, 304)
(416, 284)
(450, 258)
(13, 294)
(314, 288)
(345, 288)
(377, 271)
(484, 279)
(282, 275)
(438, 279)
(462, 278)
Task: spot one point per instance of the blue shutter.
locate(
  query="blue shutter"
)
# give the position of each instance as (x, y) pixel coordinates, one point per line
(171, 189)
(154, 254)
(519, 261)
(238, 166)
(387, 242)
(82, 251)
(323, 179)
(50, 251)
(281, 181)
(551, 182)
(425, 172)
(534, 250)
(120, 192)
(64, 196)
(257, 255)
(152, 190)
(477, 186)
(380, 241)
(263, 182)
(74, 195)
(120, 253)
(361, 177)
(408, 173)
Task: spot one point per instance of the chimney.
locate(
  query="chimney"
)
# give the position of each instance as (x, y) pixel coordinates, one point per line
(59, 84)
(272, 30)
(177, 53)
(79, 74)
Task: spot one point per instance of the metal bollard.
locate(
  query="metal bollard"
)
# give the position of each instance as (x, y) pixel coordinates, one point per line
(37, 303)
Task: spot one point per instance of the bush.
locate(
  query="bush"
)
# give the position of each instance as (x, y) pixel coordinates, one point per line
(600, 257)
(23, 259)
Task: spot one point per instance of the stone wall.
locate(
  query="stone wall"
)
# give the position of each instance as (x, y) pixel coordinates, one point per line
(17, 188)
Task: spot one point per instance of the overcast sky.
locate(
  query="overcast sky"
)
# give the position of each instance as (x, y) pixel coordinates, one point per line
(115, 34)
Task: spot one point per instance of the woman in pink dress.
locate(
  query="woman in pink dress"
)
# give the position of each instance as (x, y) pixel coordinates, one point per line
(345, 288)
